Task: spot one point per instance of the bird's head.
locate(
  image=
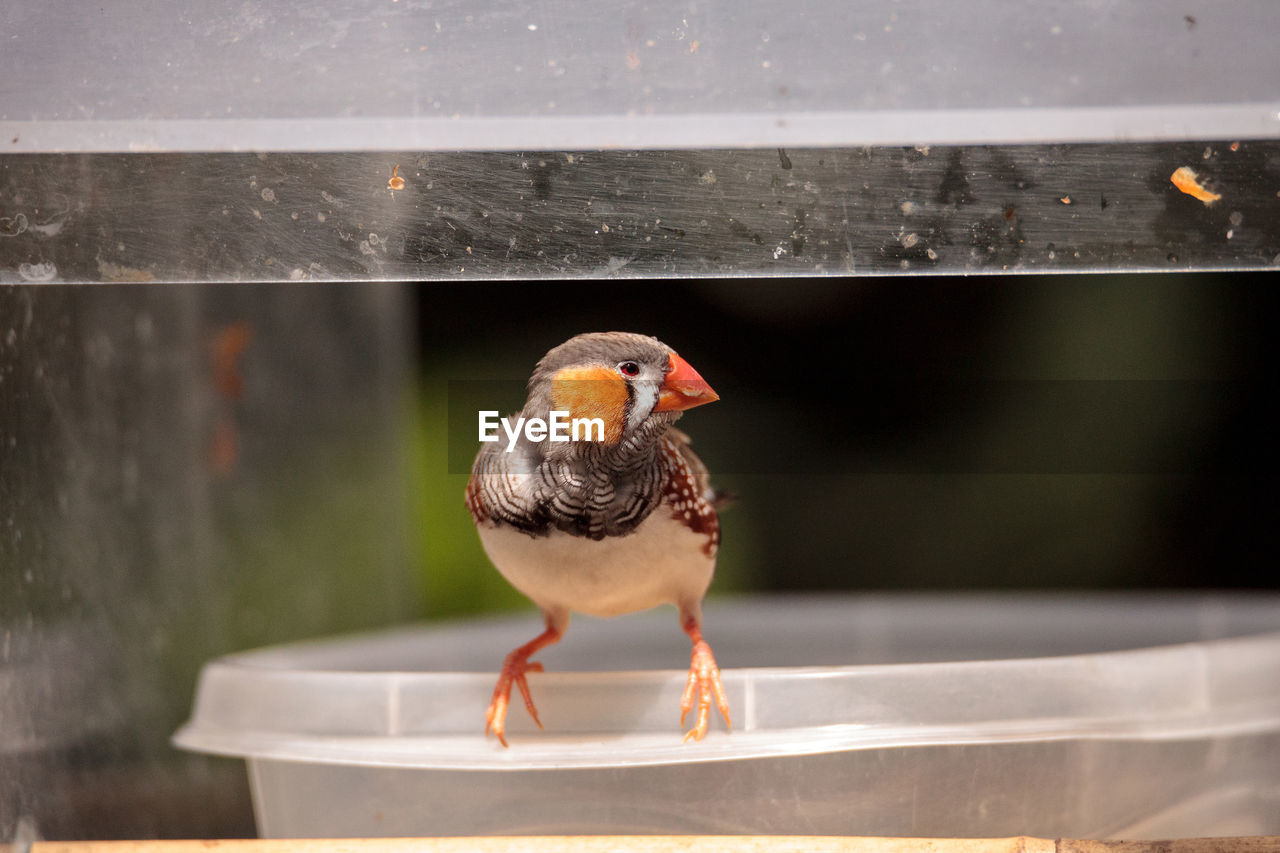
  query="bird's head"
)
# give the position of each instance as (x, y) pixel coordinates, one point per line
(636, 385)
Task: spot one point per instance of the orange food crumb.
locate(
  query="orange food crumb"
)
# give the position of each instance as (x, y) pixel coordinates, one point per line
(396, 182)
(1066, 199)
(1185, 179)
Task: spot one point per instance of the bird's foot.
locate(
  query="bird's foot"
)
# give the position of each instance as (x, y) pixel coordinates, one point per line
(514, 668)
(703, 685)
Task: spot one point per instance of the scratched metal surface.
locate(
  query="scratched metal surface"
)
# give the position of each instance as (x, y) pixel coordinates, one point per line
(760, 212)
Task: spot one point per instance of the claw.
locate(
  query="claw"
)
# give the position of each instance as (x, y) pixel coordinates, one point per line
(514, 668)
(513, 672)
(523, 684)
(704, 683)
(495, 717)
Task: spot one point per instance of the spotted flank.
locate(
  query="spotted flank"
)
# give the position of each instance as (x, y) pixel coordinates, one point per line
(687, 489)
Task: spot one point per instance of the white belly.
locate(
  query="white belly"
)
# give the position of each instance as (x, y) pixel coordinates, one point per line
(661, 562)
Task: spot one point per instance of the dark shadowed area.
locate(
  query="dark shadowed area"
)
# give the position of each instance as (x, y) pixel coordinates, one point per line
(919, 433)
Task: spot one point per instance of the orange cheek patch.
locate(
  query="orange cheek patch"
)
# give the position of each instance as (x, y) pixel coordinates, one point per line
(592, 392)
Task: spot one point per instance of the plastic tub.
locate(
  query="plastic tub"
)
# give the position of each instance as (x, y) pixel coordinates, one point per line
(1084, 716)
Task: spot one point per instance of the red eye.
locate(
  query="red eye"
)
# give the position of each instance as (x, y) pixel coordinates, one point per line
(629, 368)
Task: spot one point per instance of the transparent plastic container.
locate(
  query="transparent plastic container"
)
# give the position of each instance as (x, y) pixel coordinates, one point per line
(1084, 716)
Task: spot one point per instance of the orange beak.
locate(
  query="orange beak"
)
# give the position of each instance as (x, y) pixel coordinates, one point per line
(683, 388)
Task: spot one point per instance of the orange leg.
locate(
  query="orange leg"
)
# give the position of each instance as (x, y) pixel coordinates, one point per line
(704, 682)
(514, 668)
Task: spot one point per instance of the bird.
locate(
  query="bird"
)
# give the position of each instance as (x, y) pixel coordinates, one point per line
(620, 520)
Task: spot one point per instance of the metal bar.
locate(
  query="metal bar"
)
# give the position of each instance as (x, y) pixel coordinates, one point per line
(628, 214)
(670, 844)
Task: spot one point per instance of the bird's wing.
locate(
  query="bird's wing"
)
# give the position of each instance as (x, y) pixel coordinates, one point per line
(684, 445)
